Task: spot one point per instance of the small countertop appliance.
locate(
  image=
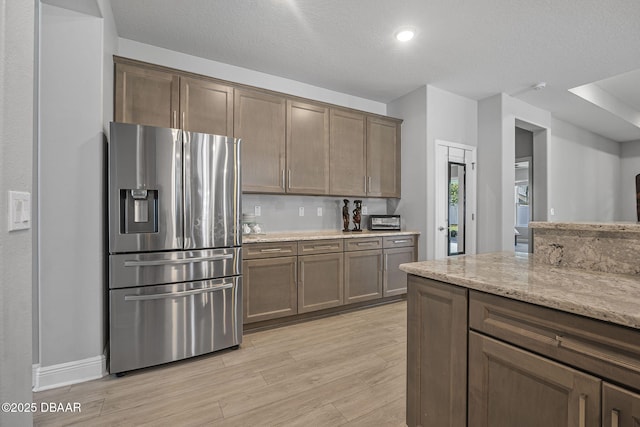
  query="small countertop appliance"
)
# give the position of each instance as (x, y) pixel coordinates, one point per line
(384, 222)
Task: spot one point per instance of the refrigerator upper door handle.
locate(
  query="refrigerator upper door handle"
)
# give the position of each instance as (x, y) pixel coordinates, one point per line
(177, 294)
(133, 263)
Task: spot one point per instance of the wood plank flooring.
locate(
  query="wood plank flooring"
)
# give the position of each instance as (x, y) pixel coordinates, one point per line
(345, 370)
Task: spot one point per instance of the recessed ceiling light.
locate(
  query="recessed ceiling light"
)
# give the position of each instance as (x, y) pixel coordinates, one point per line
(405, 35)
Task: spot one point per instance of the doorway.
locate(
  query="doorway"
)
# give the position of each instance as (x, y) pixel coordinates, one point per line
(455, 232)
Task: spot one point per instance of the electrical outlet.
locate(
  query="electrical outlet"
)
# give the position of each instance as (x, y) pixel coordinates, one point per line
(301, 211)
(365, 210)
(257, 211)
(552, 211)
(319, 212)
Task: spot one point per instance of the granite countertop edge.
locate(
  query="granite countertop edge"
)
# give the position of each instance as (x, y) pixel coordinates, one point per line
(616, 227)
(319, 235)
(609, 297)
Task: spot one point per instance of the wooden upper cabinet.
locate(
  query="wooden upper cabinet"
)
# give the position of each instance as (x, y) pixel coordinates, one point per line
(206, 106)
(146, 96)
(307, 148)
(259, 119)
(347, 166)
(383, 157)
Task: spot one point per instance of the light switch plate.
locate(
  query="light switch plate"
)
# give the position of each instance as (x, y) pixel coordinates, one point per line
(365, 211)
(301, 211)
(319, 211)
(19, 210)
(257, 210)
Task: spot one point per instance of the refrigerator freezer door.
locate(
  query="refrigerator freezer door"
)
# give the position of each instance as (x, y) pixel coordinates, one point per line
(145, 188)
(157, 324)
(212, 191)
(157, 268)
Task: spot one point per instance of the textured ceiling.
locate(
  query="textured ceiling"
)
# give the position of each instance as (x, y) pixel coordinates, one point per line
(473, 48)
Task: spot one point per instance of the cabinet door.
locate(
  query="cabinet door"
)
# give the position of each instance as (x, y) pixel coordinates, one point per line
(347, 165)
(383, 157)
(320, 282)
(259, 119)
(206, 107)
(269, 288)
(307, 148)
(509, 387)
(620, 407)
(362, 275)
(436, 354)
(146, 96)
(395, 280)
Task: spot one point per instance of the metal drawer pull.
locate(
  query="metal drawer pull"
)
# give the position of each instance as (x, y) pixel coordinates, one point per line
(582, 416)
(596, 353)
(615, 418)
(400, 241)
(177, 294)
(324, 247)
(271, 250)
(132, 263)
(283, 179)
(366, 243)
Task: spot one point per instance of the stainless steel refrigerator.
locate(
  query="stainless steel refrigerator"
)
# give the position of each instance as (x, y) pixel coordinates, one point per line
(175, 283)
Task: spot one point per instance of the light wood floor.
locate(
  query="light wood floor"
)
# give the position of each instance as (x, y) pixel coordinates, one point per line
(345, 370)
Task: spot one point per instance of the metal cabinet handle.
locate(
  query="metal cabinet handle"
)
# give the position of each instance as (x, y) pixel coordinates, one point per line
(386, 262)
(369, 184)
(615, 418)
(366, 243)
(582, 416)
(289, 179)
(400, 241)
(283, 179)
(365, 184)
(624, 362)
(183, 120)
(271, 250)
(175, 118)
(135, 263)
(177, 294)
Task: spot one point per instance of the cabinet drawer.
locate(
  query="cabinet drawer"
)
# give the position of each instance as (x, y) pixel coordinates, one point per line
(269, 250)
(398, 241)
(363, 244)
(311, 247)
(608, 350)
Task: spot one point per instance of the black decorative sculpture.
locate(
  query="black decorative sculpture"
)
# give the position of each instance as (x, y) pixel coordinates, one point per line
(356, 215)
(345, 215)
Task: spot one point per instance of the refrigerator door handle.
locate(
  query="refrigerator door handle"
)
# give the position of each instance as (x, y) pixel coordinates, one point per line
(132, 263)
(177, 294)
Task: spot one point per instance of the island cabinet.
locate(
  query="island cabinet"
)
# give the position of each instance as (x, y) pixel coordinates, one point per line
(154, 96)
(525, 365)
(259, 120)
(320, 278)
(436, 354)
(269, 281)
(363, 269)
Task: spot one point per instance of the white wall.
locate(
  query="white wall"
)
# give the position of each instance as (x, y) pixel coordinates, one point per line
(429, 114)
(17, 23)
(168, 58)
(497, 117)
(71, 182)
(629, 168)
(583, 174)
(412, 108)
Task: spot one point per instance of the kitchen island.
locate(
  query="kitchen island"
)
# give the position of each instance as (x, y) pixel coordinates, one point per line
(506, 339)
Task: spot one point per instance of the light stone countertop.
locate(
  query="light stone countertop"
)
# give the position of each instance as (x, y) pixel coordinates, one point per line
(627, 227)
(610, 297)
(319, 235)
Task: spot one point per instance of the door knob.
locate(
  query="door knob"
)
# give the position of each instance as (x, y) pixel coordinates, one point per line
(441, 228)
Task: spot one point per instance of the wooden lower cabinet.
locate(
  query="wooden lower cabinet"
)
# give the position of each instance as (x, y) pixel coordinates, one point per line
(320, 281)
(269, 288)
(362, 275)
(512, 387)
(436, 354)
(395, 280)
(620, 407)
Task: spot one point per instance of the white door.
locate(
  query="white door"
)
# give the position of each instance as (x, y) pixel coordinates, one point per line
(455, 231)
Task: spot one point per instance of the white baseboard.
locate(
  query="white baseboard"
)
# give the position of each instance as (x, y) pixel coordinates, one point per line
(47, 377)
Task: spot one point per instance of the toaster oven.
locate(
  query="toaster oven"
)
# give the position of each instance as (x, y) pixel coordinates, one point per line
(384, 222)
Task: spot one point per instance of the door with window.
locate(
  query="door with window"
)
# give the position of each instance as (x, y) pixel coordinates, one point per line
(455, 232)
